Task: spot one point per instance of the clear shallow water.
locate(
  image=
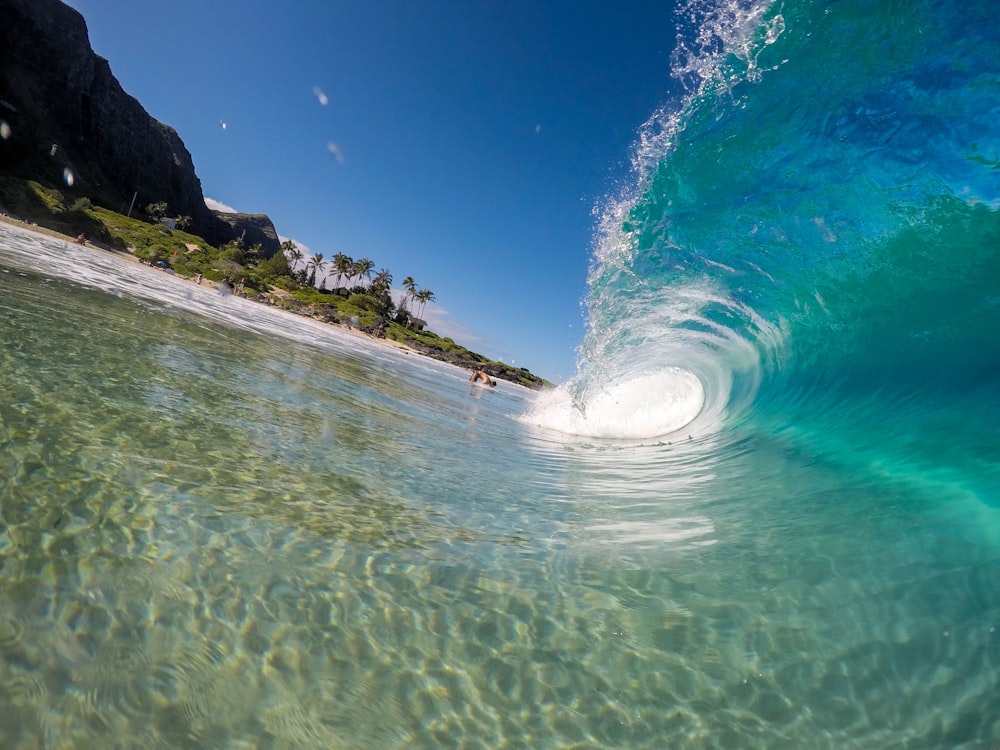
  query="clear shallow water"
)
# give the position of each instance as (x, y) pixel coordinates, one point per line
(765, 514)
(211, 537)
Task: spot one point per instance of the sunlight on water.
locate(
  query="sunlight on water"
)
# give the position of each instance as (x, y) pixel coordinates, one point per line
(230, 530)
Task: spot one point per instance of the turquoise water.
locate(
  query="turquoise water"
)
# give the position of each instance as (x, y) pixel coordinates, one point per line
(764, 514)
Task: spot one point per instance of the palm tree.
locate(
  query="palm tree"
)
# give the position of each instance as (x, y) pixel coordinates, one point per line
(363, 269)
(295, 257)
(315, 264)
(411, 288)
(342, 265)
(293, 254)
(379, 289)
(254, 253)
(382, 280)
(291, 251)
(423, 297)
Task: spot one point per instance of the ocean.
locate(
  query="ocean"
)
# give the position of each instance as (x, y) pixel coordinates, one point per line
(764, 513)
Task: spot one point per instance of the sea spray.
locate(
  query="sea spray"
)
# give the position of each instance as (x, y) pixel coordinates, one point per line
(662, 317)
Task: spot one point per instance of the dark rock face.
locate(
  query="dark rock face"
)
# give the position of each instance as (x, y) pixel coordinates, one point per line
(68, 115)
(254, 229)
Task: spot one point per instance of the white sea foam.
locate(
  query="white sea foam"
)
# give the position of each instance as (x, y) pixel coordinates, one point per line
(648, 406)
(662, 355)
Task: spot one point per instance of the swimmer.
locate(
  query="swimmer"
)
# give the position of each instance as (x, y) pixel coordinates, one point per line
(479, 375)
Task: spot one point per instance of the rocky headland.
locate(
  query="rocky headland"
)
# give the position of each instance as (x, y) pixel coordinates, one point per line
(69, 123)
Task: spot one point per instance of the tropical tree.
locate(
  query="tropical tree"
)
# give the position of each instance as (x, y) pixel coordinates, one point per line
(315, 264)
(423, 297)
(157, 210)
(254, 253)
(363, 269)
(342, 264)
(379, 290)
(382, 281)
(291, 251)
(295, 256)
(183, 222)
(275, 267)
(411, 288)
(233, 251)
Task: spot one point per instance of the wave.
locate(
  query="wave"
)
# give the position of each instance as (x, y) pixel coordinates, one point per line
(810, 227)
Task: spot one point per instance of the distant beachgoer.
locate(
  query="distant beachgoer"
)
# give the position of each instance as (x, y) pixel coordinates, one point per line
(479, 375)
(81, 238)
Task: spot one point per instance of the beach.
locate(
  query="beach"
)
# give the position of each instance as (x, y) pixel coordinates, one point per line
(206, 286)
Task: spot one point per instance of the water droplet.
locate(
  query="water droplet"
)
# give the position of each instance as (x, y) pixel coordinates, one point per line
(320, 96)
(222, 124)
(68, 176)
(4, 130)
(335, 151)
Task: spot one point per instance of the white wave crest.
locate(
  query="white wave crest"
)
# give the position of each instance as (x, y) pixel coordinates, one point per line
(647, 406)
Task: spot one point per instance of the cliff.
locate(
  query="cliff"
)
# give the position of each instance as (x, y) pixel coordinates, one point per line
(254, 229)
(66, 114)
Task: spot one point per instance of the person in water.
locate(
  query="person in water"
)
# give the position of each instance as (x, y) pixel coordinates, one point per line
(480, 375)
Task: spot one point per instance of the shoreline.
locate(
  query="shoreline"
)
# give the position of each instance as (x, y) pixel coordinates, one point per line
(206, 284)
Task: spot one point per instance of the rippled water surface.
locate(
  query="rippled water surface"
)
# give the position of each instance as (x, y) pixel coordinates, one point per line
(275, 535)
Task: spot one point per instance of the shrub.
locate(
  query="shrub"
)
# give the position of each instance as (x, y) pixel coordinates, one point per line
(227, 268)
(275, 266)
(152, 253)
(284, 282)
(363, 302)
(52, 198)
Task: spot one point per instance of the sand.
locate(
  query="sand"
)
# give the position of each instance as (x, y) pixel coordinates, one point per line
(175, 279)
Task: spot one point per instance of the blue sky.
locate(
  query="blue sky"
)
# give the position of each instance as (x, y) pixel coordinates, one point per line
(473, 140)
